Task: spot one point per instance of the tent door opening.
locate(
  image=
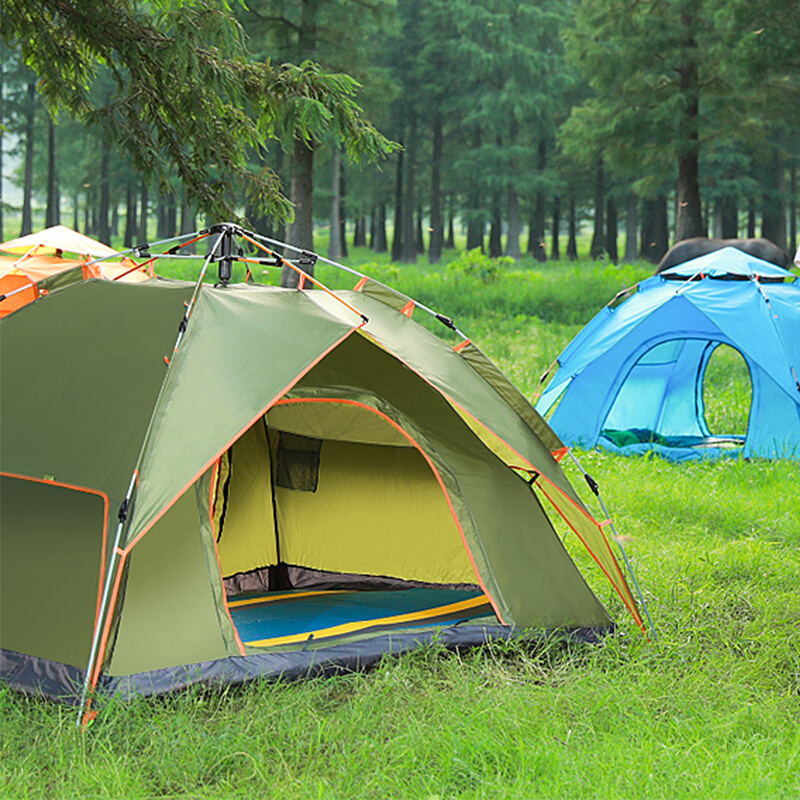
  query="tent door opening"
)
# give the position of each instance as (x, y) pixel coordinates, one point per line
(727, 391)
(330, 523)
(662, 399)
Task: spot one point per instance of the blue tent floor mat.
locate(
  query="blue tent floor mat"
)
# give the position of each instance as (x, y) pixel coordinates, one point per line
(272, 619)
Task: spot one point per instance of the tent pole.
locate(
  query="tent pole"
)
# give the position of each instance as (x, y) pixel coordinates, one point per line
(17, 290)
(596, 491)
(139, 249)
(276, 243)
(88, 683)
(190, 307)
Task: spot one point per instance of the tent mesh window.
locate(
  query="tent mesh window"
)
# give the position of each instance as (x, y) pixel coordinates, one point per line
(298, 462)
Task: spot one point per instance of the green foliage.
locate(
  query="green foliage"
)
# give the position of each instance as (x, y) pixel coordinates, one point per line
(187, 96)
(473, 263)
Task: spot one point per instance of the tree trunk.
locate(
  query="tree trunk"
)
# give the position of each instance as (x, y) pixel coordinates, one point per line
(793, 208)
(379, 241)
(631, 227)
(75, 210)
(476, 224)
(536, 234)
(144, 213)
(114, 219)
(689, 212)
(597, 247)
(437, 227)
(189, 222)
(360, 232)
(167, 214)
(555, 241)
(419, 237)
(342, 211)
(689, 216)
(514, 225)
(495, 229)
(512, 199)
(717, 226)
(129, 238)
(161, 218)
(773, 218)
(476, 230)
(188, 217)
(572, 236)
(258, 221)
(408, 243)
(103, 229)
(27, 189)
(87, 220)
(450, 236)
(172, 216)
(53, 212)
(751, 218)
(729, 218)
(301, 229)
(397, 232)
(334, 243)
(655, 230)
(300, 232)
(612, 230)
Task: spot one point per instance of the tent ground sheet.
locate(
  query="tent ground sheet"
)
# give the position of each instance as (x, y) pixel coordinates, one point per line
(281, 618)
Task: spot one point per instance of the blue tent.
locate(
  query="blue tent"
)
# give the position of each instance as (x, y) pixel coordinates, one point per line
(632, 379)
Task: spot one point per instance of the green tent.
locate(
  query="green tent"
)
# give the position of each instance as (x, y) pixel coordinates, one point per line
(310, 481)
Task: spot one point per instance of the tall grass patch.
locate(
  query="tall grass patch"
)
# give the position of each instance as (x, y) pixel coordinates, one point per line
(711, 709)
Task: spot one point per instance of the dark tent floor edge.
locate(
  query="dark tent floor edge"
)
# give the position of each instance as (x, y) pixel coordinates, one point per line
(60, 682)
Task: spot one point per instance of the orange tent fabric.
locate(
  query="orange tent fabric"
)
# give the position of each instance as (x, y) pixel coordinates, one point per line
(40, 256)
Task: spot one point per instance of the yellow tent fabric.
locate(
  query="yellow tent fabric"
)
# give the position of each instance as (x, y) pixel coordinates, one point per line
(58, 237)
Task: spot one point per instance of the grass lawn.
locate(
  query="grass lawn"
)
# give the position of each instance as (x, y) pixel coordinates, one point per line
(710, 710)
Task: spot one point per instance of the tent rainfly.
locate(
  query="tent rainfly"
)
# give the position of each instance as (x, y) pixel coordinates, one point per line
(632, 379)
(38, 263)
(310, 481)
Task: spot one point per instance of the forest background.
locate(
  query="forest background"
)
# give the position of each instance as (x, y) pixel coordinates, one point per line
(510, 126)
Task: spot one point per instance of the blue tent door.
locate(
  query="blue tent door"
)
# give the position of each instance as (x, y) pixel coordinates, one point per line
(663, 391)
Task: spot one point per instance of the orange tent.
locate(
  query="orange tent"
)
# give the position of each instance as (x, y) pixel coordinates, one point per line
(36, 263)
